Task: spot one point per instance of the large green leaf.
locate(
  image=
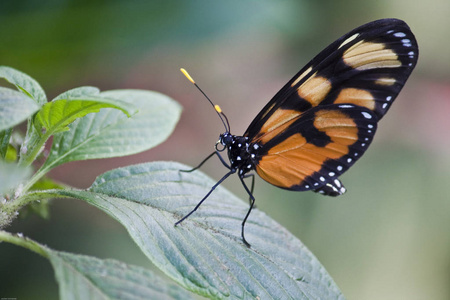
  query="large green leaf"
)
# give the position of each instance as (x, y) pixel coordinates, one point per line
(85, 277)
(24, 83)
(15, 108)
(110, 134)
(205, 253)
(78, 92)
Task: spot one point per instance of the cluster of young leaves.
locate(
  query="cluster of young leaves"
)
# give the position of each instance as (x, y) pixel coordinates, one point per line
(204, 255)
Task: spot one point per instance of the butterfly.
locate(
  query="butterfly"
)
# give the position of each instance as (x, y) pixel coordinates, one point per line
(324, 119)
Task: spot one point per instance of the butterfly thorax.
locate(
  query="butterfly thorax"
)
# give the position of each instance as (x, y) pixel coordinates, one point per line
(240, 152)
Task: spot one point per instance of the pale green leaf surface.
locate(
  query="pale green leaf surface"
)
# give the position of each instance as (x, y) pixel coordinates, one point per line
(24, 83)
(83, 277)
(110, 134)
(11, 176)
(205, 253)
(56, 115)
(78, 92)
(15, 108)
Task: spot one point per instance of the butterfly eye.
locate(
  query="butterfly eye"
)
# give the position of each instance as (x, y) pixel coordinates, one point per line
(226, 139)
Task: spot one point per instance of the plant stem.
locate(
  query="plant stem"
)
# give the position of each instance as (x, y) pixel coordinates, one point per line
(24, 242)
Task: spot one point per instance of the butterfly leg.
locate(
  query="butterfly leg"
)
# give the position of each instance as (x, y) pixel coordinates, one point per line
(206, 196)
(205, 160)
(252, 202)
(252, 187)
(201, 164)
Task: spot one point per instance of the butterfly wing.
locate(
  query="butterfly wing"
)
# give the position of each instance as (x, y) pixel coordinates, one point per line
(324, 118)
(315, 149)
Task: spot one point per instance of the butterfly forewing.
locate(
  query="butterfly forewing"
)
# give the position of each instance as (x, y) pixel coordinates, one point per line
(366, 67)
(358, 76)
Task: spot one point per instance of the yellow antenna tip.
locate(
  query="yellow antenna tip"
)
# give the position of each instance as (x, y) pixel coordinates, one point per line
(218, 109)
(185, 73)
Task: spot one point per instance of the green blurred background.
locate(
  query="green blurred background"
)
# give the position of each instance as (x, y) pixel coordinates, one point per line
(386, 238)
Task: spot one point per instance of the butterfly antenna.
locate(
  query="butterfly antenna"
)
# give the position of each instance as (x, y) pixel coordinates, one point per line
(217, 108)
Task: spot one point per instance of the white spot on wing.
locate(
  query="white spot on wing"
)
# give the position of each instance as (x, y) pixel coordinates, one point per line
(399, 34)
(348, 40)
(406, 42)
(366, 115)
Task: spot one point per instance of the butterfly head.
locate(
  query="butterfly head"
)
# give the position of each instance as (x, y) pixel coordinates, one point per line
(226, 139)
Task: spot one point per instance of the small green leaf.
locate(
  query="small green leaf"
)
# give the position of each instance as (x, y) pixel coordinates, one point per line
(83, 277)
(78, 92)
(24, 83)
(110, 134)
(56, 115)
(46, 184)
(205, 253)
(5, 136)
(15, 108)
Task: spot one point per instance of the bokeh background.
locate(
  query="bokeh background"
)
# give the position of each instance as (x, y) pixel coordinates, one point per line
(386, 238)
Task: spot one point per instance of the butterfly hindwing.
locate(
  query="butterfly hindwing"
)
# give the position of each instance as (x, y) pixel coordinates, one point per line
(316, 148)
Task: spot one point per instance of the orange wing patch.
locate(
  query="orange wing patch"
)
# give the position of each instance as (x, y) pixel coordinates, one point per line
(301, 76)
(278, 122)
(366, 55)
(356, 96)
(315, 89)
(288, 163)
